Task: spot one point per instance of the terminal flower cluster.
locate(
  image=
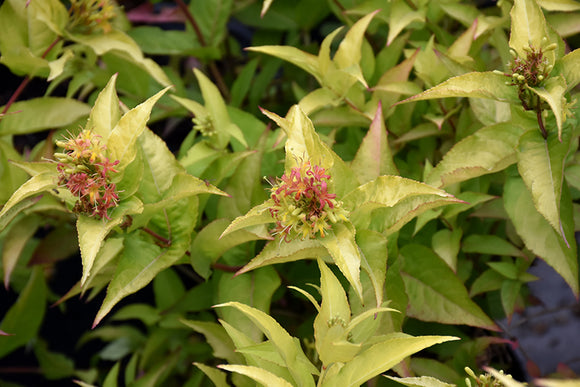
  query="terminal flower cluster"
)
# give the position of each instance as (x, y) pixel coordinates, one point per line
(302, 206)
(90, 15)
(85, 171)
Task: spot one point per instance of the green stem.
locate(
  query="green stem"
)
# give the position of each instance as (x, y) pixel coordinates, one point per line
(212, 67)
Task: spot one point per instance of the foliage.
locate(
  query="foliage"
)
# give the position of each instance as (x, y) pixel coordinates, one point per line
(427, 151)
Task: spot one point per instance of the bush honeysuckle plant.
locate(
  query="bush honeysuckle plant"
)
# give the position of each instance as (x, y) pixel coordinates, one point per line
(398, 166)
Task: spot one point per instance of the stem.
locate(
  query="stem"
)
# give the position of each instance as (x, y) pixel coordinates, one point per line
(540, 120)
(226, 268)
(164, 241)
(27, 79)
(212, 67)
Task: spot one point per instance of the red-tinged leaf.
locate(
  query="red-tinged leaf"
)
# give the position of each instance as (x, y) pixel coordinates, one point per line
(435, 292)
(374, 157)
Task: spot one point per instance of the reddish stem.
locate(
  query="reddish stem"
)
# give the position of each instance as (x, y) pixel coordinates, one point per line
(540, 120)
(212, 67)
(27, 79)
(227, 268)
(164, 241)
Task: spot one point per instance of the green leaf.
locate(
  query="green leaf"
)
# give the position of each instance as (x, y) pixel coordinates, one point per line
(539, 236)
(381, 357)
(342, 247)
(256, 216)
(211, 19)
(477, 84)
(33, 186)
(14, 242)
(489, 244)
(445, 244)
(260, 375)
(42, 113)
(489, 150)
(401, 198)
(10, 177)
(217, 337)
(105, 113)
(53, 365)
(373, 249)
(435, 292)
(541, 165)
(289, 349)
(374, 157)
(23, 319)
(123, 137)
(553, 93)
(167, 289)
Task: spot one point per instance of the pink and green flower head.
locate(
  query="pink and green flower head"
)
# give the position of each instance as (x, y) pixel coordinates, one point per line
(86, 172)
(301, 206)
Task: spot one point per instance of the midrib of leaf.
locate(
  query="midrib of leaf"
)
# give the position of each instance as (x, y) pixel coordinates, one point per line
(556, 199)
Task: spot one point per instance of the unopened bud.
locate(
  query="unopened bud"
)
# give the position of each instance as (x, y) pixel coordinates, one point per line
(550, 47)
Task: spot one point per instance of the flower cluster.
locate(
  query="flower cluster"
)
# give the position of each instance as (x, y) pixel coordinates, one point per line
(302, 206)
(90, 15)
(204, 125)
(530, 72)
(85, 172)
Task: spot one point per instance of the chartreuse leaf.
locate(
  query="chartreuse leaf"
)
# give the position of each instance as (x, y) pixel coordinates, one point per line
(528, 29)
(374, 157)
(120, 44)
(538, 235)
(445, 243)
(340, 244)
(381, 357)
(348, 56)
(553, 92)
(42, 113)
(541, 165)
(123, 137)
(331, 322)
(142, 259)
(569, 68)
(477, 84)
(92, 232)
(435, 293)
(489, 244)
(260, 375)
(254, 353)
(24, 318)
(288, 347)
(34, 185)
(216, 107)
(489, 150)
(404, 198)
(217, 377)
(256, 216)
(422, 381)
(105, 113)
(401, 16)
(14, 242)
(373, 246)
(278, 251)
